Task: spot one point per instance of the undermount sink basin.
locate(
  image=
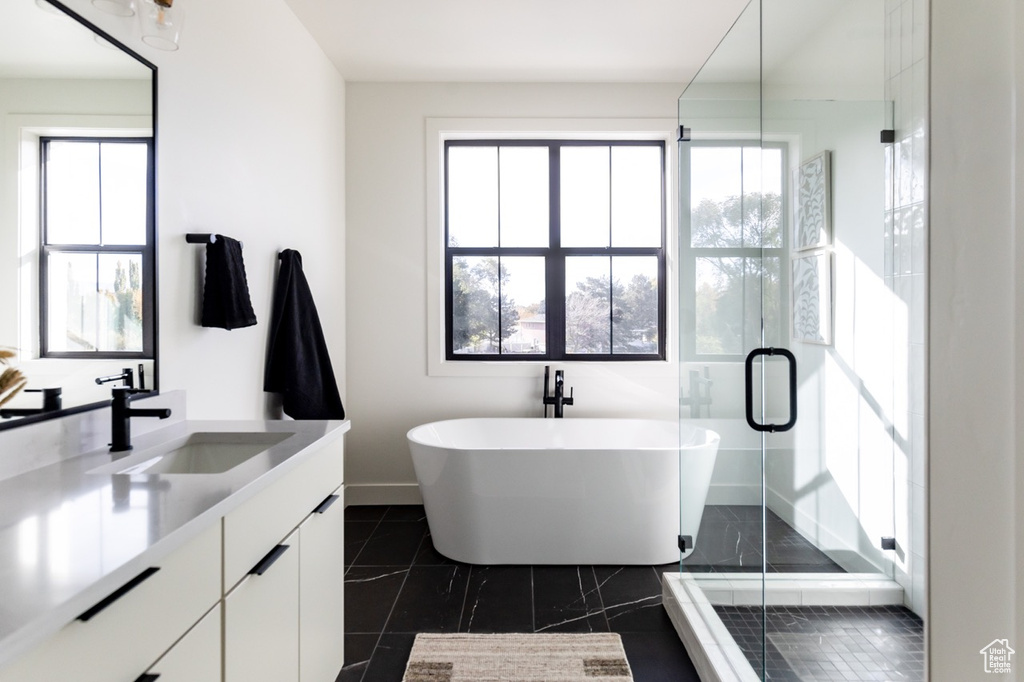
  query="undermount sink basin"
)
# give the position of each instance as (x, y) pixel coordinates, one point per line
(197, 453)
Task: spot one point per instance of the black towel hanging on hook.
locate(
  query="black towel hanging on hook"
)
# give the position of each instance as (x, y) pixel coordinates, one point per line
(226, 302)
(298, 363)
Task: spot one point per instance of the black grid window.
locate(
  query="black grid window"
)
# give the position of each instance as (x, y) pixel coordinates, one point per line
(97, 251)
(554, 250)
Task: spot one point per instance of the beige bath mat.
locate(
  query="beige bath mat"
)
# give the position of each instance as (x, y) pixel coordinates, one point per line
(517, 658)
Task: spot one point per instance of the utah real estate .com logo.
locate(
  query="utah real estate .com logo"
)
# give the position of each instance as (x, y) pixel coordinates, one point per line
(998, 657)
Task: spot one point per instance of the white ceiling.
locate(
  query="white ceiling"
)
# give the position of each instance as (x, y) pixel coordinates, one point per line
(518, 40)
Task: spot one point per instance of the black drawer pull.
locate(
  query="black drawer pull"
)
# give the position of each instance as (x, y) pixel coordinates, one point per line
(117, 594)
(268, 561)
(148, 677)
(326, 504)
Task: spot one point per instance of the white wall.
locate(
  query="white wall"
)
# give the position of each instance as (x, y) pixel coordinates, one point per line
(388, 383)
(975, 473)
(251, 145)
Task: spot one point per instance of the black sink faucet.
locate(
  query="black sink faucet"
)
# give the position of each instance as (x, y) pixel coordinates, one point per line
(121, 417)
(558, 399)
(51, 403)
(126, 375)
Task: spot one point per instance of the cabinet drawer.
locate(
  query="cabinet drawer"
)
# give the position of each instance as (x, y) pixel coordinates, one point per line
(196, 656)
(123, 638)
(261, 622)
(252, 529)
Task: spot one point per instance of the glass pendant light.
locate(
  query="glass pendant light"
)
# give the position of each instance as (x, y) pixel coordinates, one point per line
(161, 23)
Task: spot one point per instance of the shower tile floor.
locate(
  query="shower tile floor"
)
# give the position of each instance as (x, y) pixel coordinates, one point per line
(830, 643)
(729, 541)
(397, 585)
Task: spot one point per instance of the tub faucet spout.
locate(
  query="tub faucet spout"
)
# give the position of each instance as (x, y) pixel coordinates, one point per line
(558, 399)
(700, 393)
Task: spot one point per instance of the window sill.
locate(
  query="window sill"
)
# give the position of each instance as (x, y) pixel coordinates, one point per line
(531, 368)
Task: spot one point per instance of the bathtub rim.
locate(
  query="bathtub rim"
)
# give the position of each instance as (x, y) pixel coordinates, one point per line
(711, 437)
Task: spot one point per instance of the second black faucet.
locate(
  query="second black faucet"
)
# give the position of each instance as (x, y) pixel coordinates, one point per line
(558, 399)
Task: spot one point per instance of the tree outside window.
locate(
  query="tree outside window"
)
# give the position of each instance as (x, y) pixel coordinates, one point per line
(554, 250)
(734, 247)
(96, 253)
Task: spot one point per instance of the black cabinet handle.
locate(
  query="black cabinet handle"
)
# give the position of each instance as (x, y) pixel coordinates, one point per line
(268, 561)
(749, 386)
(147, 677)
(117, 594)
(326, 504)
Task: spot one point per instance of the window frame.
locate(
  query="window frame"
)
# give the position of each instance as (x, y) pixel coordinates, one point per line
(554, 254)
(689, 254)
(147, 252)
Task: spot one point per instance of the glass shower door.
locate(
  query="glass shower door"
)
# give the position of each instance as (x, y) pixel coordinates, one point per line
(788, 325)
(724, 251)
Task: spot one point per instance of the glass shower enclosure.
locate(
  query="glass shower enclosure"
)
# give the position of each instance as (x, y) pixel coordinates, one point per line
(789, 328)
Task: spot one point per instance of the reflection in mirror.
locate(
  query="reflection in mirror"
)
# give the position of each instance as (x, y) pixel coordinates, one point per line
(77, 225)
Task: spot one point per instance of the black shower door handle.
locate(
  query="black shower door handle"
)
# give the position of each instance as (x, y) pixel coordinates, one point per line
(770, 428)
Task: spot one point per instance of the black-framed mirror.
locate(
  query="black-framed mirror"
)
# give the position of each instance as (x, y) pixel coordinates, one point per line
(66, 283)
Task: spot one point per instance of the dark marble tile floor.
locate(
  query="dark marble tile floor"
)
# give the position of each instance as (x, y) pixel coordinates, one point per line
(729, 541)
(397, 585)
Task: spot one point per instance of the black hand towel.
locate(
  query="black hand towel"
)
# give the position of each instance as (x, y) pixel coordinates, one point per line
(226, 301)
(298, 365)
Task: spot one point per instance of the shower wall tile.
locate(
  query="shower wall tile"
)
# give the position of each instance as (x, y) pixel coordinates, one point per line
(917, 527)
(917, 460)
(888, 248)
(907, 224)
(917, 241)
(893, 55)
(919, 34)
(918, 585)
(906, 34)
(906, 263)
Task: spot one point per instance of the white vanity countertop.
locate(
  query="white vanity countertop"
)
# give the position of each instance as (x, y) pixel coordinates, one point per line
(68, 537)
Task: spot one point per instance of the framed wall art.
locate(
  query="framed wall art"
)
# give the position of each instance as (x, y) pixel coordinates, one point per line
(812, 297)
(812, 228)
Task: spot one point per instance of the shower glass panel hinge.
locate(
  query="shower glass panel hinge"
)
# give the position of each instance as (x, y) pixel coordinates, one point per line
(888, 543)
(684, 134)
(685, 543)
(888, 136)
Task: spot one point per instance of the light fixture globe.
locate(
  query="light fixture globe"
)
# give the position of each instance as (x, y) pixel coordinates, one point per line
(160, 22)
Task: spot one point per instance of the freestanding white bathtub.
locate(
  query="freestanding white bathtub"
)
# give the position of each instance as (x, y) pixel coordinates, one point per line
(562, 491)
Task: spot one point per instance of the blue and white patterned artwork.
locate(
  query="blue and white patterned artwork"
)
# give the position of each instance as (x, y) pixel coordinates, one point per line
(812, 297)
(813, 226)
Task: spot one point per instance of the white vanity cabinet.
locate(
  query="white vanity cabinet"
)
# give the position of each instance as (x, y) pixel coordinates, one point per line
(196, 656)
(261, 620)
(257, 594)
(322, 591)
(283, 606)
(127, 631)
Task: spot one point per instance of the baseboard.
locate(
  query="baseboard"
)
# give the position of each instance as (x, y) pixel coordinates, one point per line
(734, 493)
(382, 494)
(849, 558)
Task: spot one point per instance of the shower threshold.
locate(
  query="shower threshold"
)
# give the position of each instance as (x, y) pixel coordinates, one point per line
(690, 600)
